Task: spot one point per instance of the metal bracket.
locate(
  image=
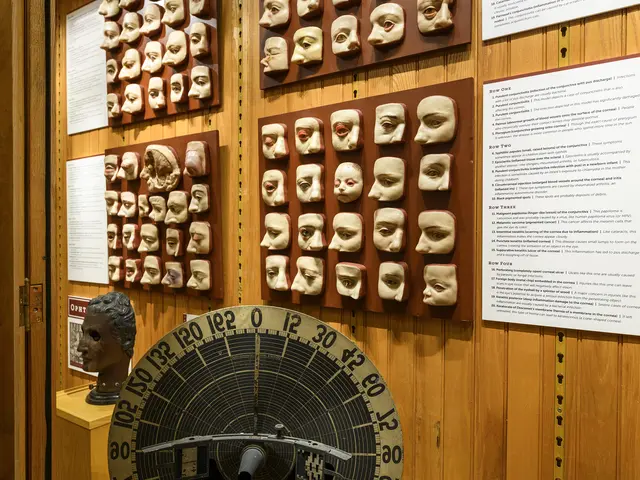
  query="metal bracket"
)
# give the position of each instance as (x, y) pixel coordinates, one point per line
(31, 304)
(23, 292)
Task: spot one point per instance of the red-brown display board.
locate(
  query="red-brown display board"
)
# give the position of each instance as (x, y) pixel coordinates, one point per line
(459, 200)
(211, 61)
(414, 42)
(213, 216)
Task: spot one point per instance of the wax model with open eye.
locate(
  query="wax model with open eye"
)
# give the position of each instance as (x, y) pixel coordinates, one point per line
(200, 275)
(179, 88)
(199, 198)
(158, 208)
(441, 285)
(435, 172)
(174, 275)
(438, 120)
(309, 135)
(152, 271)
(390, 123)
(116, 272)
(131, 68)
(131, 236)
(388, 25)
(438, 229)
(130, 28)
(275, 145)
(310, 183)
(174, 13)
(111, 163)
(130, 5)
(161, 169)
(277, 231)
(348, 183)
(389, 173)
(276, 55)
(113, 105)
(199, 8)
(351, 280)
(177, 208)
(149, 238)
(274, 188)
(109, 8)
(276, 13)
(199, 238)
(434, 16)
(130, 166)
(153, 52)
(112, 71)
(388, 229)
(345, 36)
(151, 20)
(174, 242)
(133, 270)
(277, 272)
(196, 163)
(144, 209)
(176, 52)
(133, 99)
(310, 277)
(199, 40)
(310, 8)
(349, 231)
(129, 208)
(200, 82)
(311, 232)
(112, 200)
(393, 281)
(346, 131)
(308, 46)
(113, 236)
(111, 36)
(157, 99)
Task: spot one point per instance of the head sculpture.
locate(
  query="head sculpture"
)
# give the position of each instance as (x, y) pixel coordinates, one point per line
(161, 169)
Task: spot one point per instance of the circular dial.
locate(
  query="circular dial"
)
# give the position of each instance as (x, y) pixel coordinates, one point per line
(244, 370)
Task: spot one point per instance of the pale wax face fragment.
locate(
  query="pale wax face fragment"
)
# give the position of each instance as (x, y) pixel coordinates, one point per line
(144, 208)
(113, 105)
(274, 141)
(111, 163)
(308, 46)
(133, 99)
(113, 236)
(131, 236)
(277, 272)
(309, 183)
(392, 281)
(131, 65)
(349, 231)
(345, 36)
(177, 208)
(129, 169)
(174, 13)
(276, 13)
(311, 232)
(176, 53)
(196, 159)
(158, 208)
(441, 285)
(157, 98)
(116, 272)
(435, 172)
(161, 168)
(112, 200)
(111, 36)
(109, 8)
(199, 198)
(388, 25)
(309, 8)
(351, 280)
(153, 52)
(152, 19)
(178, 88)
(309, 136)
(174, 275)
(112, 71)
(434, 16)
(389, 173)
(130, 28)
(149, 239)
(276, 55)
(133, 270)
(348, 182)
(152, 271)
(388, 229)
(438, 120)
(346, 132)
(174, 242)
(274, 191)
(199, 238)
(390, 124)
(200, 83)
(277, 231)
(199, 40)
(129, 208)
(438, 229)
(310, 277)
(200, 275)
(199, 8)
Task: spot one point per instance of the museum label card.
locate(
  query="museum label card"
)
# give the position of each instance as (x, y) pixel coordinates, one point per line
(76, 311)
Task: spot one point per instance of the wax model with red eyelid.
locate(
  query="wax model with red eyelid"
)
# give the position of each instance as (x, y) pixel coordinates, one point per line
(346, 130)
(348, 182)
(274, 142)
(309, 135)
(274, 188)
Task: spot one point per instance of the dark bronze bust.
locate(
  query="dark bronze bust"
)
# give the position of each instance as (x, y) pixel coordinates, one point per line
(108, 338)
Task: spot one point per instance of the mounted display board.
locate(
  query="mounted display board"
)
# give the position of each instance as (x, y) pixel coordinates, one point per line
(446, 24)
(458, 201)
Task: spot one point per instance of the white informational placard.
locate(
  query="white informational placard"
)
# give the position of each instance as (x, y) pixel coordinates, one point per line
(561, 212)
(86, 71)
(187, 317)
(506, 17)
(76, 311)
(87, 250)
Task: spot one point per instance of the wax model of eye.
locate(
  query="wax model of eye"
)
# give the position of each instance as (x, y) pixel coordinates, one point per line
(434, 16)
(151, 17)
(200, 82)
(309, 8)
(438, 120)
(111, 36)
(149, 239)
(276, 55)
(346, 131)
(174, 14)
(441, 285)
(176, 53)
(274, 141)
(116, 270)
(112, 200)
(351, 280)
(200, 275)
(179, 89)
(435, 172)
(109, 8)
(277, 272)
(388, 25)
(308, 46)
(277, 231)
(309, 136)
(199, 8)
(161, 169)
(388, 229)
(309, 183)
(349, 232)
(112, 71)
(389, 174)
(199, 40)
(157, 98)
(113, 105)
(130, 28)
(111, 163)
(438, 229)
(131, 236)
(153, 52)
(177, 207)
(274, 190)
(144, 209)
(174, 275)
(130, 166)
(345, 36)
(113, 236)
(133, 99)
(131, 67)
(311, 232)
(129, 208)
(199, 238)
(276, 13)
(158, 209)
(174, 242)
(390, 123)
(133, 270)
(152, 267)
(348, 182)
(310, 277)
(196, 162)
(199, 198)
(393, 278)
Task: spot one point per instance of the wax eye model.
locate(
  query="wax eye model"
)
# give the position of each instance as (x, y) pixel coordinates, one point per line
(111, 163)
(131, 68)
(309, 183)
(274, 188)
(390, 123)
(152, 271)
(199, 238)
(157, 99)
(388, 229)
(435, 172)
(149, 240)
(438, 120)
(441, 285)
(111, 36)
(112, 71)
(174, 275)
(388, 25)
(151, 17)
(113, 105)
(133, 99)
(129, 208)
(199, 8)
(158, 209)
(177, 208)
(153, 52)
(144, 209)
(309, 8)
(199, 198)
(130, 28)
(196, 162)
(393, 278)
(116, 272)
(277, 231)
(351, 280)
(133, 270)
(349, 231)
(389, 173)
(276, 13)
(174, 242)
(348, 183)
(345, 36)
(113, 236)
(310, 277)
(161, 169)
(274, 141)
(200, 82)
(112, 200)
(311, 232)
(174, 14)
(109, 8)
(131, 236)
(276, 55)
(199, 40)
(179, 90)
(277, 272)
(309, 136)
(438, 229)
(346, 131)
(308, 46)
(130, 166)
(200, 275)
(434, 16)
(176, 52)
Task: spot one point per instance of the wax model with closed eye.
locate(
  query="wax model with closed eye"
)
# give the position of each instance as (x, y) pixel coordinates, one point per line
(112, 71)
(196, 163)
(199, 198)
(112, 200)
(151, 20)
(348, 182)
(131, 68)
(131, 236)
(158, 209)
(111, 36)
(144, 209)
(434, 16)
(199, 8)
(274, 188)
(177, 208)
(390, 123)
(130, 166)
(179, 88)
(276, 55)
(200, 82)
(199, 40)
(113, 236)
(393, 281)
(275, 145)
(388, 25)
(149, 239)
(176, 51)
(200, 275)
(174, 13)
(309, 8)
(310, 277)
(351, 280)
(109, 8)
(441, 285)
(308, 43)
(438, 120)
(388, 229)
(345, 36)
(310, 183)
(153, 52)
(157, 99)
(174, 242)
(113, 105)
(130, 5)
(199, 238)
(389, 174)
(131, 28)
(311, 232)
(111, 163)
(349, 231)
(277, 272)
(309, 135)
(152, 271)
(346, 131)
(161, 169)
(438, 229)
(116, 272)
(133, 270)
(129, 208)
(435, 172)
(277, 231)
(174, 275)
(276, 13)
(133, 99)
